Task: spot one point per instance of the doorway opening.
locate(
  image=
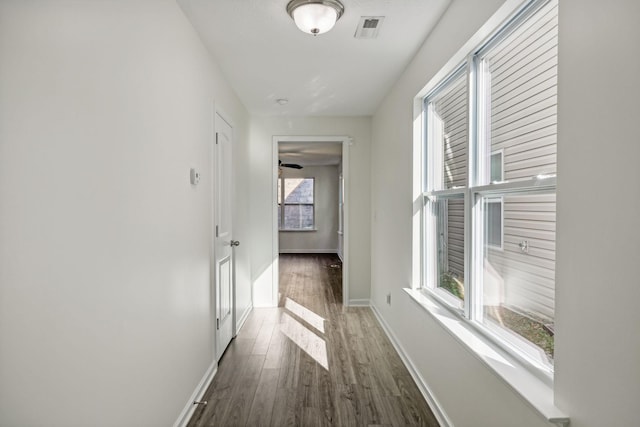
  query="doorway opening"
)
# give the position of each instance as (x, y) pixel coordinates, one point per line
(310, 201)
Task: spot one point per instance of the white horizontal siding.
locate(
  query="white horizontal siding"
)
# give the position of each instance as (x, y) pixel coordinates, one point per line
(528, 278)
(450, 106)
(524, 42)
(523, 78)
(522, 72)
(455, 249)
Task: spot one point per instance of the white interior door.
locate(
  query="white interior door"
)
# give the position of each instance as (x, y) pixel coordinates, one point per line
(223, 243)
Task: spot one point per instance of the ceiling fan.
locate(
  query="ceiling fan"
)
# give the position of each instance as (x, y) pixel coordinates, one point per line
(289, 165)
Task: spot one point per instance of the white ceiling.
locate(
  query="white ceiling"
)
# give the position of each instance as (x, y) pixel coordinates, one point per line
(265, 57)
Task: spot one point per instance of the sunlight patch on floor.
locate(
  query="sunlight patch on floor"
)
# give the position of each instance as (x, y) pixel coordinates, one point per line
(305, 314)
(309, 342)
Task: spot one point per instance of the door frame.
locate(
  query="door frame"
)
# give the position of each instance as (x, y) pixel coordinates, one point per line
(214, 220)
(346, 142)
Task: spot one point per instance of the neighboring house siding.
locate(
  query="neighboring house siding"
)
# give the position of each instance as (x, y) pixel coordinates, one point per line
(451, 107)
(453, 111)
(524, 102)
(455, 240)
(524, 126)
(529, 278)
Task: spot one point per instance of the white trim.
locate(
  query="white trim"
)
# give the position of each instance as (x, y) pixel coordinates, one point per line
(198, 393)
(346, 141)
(533, 390)
(446, 194)
(536, 183)
(308, 251)
(226, 117)
(243, 318)
(503, 15)
(275, 239)
(212, 218)
(359, 303)
(428, 395)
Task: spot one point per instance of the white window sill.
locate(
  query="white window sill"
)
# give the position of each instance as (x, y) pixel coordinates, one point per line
(298, 230)
(531, 388)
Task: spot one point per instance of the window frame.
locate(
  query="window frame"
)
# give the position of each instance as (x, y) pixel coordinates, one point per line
(430, 195)
(281, 206)
(479, 186)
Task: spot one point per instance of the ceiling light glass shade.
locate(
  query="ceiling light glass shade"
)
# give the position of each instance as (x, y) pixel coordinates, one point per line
(315, 17)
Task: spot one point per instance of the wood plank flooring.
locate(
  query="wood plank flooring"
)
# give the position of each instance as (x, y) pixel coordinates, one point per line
(312, 362)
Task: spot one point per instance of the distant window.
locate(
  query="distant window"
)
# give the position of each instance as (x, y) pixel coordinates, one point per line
(493, 218)
(494, 209)
(297, 210)
(497, 173)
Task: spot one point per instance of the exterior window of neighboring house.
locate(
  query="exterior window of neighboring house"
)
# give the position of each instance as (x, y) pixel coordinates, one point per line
(297, 211)
(493, 222)
(497, 167)
(494, 208)
(488, 218)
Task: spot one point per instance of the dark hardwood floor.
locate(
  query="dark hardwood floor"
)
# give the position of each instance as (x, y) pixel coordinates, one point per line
(312, 362)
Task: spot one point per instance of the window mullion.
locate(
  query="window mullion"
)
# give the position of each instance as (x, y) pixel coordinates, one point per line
(533, 185)
(471, 288)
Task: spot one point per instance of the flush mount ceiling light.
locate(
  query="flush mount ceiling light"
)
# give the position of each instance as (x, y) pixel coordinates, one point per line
(315, 16)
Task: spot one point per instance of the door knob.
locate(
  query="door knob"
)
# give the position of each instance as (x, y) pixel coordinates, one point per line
(234, 243)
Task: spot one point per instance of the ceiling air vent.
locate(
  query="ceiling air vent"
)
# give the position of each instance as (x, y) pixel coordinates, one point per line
(368, 27)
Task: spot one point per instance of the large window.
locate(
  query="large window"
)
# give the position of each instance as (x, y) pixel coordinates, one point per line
(297, 210)
(489, 186)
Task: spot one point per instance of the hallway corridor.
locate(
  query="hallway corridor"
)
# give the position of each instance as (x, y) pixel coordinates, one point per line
(312, 362)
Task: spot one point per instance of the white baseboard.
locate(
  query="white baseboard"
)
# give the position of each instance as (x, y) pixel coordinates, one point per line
(340, 255)
(439, 413)
(243, 318)
(359, 303)
(308, 251)
(189, 408)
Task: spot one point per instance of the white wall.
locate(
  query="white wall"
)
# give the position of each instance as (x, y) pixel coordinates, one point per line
(105, 303)
(597, 316)
(597, 344)
(325, 236)
(261, 171)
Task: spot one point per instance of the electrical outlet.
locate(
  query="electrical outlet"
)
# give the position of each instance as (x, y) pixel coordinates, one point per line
(389, 299)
